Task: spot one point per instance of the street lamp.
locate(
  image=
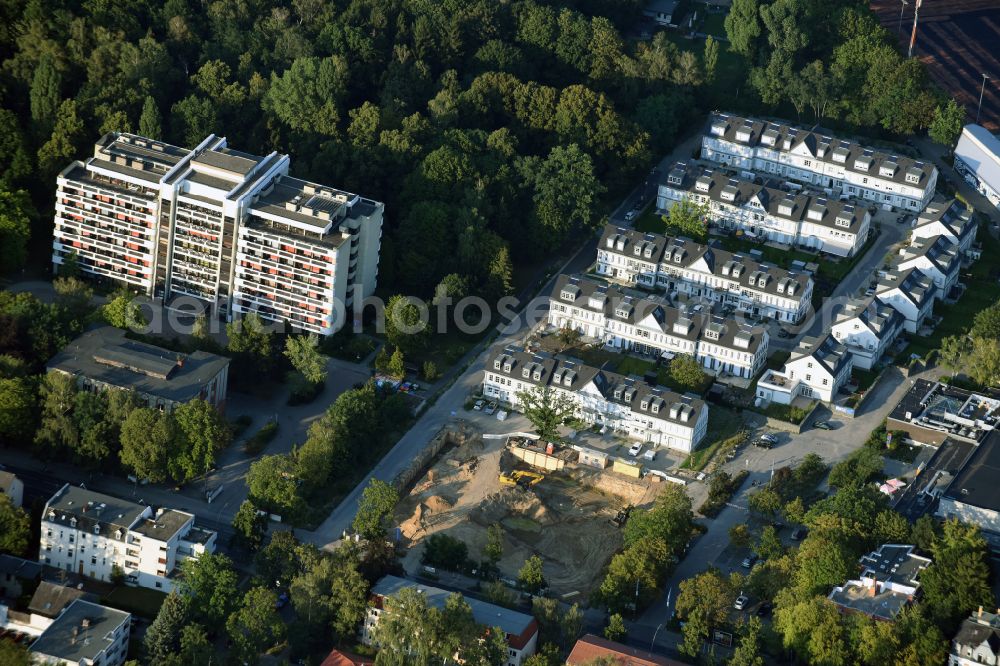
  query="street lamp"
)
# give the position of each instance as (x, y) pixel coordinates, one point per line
(981, 91)
(902, 6)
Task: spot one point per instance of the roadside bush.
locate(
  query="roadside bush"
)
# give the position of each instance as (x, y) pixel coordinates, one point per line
(858, 469)
(303, 392)
(261, 438)
(445, 552)
(720, 489)
(240, 424)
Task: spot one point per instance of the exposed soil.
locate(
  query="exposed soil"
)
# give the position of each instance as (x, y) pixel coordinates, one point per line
(565, 522)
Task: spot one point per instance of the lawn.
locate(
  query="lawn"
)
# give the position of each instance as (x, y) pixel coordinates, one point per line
(723, 425)
(864, 378)
(137, 600)
(715, 25)
(786, 413)
(650, 221)
(982, 291)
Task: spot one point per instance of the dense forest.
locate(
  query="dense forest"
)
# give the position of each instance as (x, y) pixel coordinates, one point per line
(490, 129)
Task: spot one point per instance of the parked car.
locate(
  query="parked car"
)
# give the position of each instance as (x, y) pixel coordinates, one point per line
(783, 333)
(490, 408)
(749, 561)
(869, 293)
(823, 425)
(650, 455)
(799, 534)
(764, 609)
(502, 415)
(635, 449)
(768, 437)
(741, 602)
(629, 216)
(479, 405)
(762, 443)
(282, 600)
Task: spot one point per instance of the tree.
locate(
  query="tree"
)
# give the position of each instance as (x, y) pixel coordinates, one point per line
(397, 366)
(382, 360)
(615, 631)
(406, 324)
(303, 352)
(987, 323)
(306, 96)
(61, 146)
(635, 575)
(686, 372)
(766, 502)
(694, 632)
(984, 361)
(946, 126)
(14, 654)
(57, 427)
(747, 652)
(15, 228)
(813, 629)
(670, 519)
(150, 123)
(17, 409)
(493, 549)
(429, 371)
(744, 29)
(957, 580)
(122, 312)
(565, 190)
(164, 634)
(210, 583)
(74, 297)
(281, 559)
(924, 532)
(377, 503)
(256, 625)
(272, 481)
(44, 96)
(740, 536)
(530, 576)
(250, 527)
(769, 546)
(196, 650)
(824, 560)
(687, 218)
(15, 527)
(711, 59)
(708, 595)
(201, 433)
(546, 409)
(445, 552)
(147, 437)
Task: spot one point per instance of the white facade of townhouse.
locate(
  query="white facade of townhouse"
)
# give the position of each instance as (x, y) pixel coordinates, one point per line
(816, 370)
(649, 327)
(653, 261)
(867, 329)
(844, 167)
(911, 293)
(949, 219)
(628, 406)
(937, 258)
(814, 222)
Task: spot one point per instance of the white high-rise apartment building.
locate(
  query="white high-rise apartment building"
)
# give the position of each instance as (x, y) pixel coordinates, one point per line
(232, 230)
(91, 534)
(844, 167)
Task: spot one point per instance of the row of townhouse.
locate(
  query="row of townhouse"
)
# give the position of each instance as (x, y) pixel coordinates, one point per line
(231, 230)
(799, 219)
(680, 266)
(811, 157)
(627, 322)
(815, 370)
(93, 535)
(627, 405)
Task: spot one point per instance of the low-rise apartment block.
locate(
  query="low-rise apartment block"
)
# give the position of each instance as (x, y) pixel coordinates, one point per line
(632, 322)
(931, 412)
(800, 219)
(911, 292)
(816, 370)
(867, 328)
(627, 405)
(104, 359)
(94, 535)
(232, 231)
(938, 258)
(977, 642)
(888, 583)
(845, 168)
(950, 219)
(84, 634)
(977, 158)
(655, 261)
(521, 630)
(973, 496)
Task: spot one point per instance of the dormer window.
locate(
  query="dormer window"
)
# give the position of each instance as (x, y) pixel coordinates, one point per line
(72, 522)
(644, 404)
(557, 376)
(97, 529)
(785, 208)
(508, 366)
(618, 394)
(568, 295)
(719, 127)
(843, 221)
(743, 134)
(781, 287)
(656, 408)
(628, 395)
(497, 364)
(568, 378)
(620, 244)
(525, 372)
(816, 213)
(887, 170)
(703, 184)
(863, 163)
(648, 252)
(753, 280)
(537, 375)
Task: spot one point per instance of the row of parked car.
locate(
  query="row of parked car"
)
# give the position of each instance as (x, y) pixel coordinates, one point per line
(489, 409)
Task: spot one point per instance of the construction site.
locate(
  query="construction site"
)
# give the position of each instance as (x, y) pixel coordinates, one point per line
(566, 511)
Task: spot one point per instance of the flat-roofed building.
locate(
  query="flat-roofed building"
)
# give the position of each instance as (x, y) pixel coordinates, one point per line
(85, 634)
(104, 358)
(627, 405)
(696, 271)
(520, 629)
(813, 221)
(845, 167)
(93, 535)
(889, 582)
(634, 322)
(231, 230)
(977, 158)
(931, 412)
(974, 496)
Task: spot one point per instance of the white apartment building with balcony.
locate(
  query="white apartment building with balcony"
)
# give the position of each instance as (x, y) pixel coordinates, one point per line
(682, 267)
(843, 167)
(816, 370)
(626, 322)
(231, 230)
(951, 220)
(867, 328)
(796, 218)
(937, 257)
(92, 534)
(627, 405)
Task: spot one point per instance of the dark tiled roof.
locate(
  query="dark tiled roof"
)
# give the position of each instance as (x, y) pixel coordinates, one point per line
(91, 509)
(829, 353)
(81, 632)
(940, 252)
(953, 215)
(50, 599)
(878, 317)
(916, 285)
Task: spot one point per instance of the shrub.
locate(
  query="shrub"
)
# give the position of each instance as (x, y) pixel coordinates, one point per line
(240, 424)
(720, 489)
(261, 438)
(445, 552)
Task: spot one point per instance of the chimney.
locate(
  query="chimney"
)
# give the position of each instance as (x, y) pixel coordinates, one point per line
(874, 589)
(980, 613)
(85, 623)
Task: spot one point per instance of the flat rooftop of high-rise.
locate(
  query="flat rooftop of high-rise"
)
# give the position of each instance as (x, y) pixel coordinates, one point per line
(237, 163)
(133, 147)
(309, 206)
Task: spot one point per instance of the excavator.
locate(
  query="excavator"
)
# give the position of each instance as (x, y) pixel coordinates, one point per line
(520, 478)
